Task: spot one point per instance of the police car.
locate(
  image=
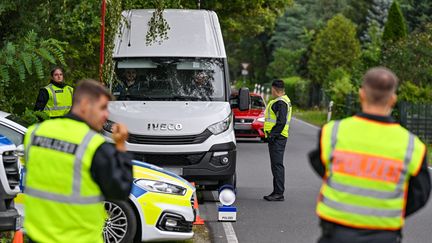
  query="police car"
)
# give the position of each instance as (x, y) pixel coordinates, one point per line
(160, 206)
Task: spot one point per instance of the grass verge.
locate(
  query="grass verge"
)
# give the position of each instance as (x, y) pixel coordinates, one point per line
(316, 117)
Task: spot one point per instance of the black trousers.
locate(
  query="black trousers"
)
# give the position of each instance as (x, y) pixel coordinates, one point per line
(277, 150)
(333, 233)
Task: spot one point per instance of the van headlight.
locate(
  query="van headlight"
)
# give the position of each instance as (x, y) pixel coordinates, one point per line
(221, 126)
(261, 119)
(160, 187)
(108, 126)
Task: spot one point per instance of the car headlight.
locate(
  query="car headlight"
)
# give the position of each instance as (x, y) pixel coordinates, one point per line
(161, 187)
(221, 126)
(261, 119)
(108, 126)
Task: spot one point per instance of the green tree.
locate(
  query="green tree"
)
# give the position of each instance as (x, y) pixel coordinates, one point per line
(371, 53)
(418, 14)
(336, 46)
(285, 63)
(411, 58)
(395, 27)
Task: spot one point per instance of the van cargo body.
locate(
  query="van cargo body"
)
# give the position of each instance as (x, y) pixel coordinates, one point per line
(176, 107)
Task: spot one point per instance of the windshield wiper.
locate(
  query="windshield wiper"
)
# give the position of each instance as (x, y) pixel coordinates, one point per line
(135, 97)
(185, 97)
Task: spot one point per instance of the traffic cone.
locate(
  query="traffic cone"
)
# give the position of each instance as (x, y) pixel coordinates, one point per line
(18, 237)
(198, 219)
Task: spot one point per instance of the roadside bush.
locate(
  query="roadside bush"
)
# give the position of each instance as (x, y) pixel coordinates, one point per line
(338, 85)
(32, 117)
(301, 97)
(412, 93)
(290, 85)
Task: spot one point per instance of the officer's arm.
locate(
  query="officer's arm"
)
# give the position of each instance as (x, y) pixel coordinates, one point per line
(112, 171)
(418, 189)
(280, 108)
(41, 100)
(315, 158)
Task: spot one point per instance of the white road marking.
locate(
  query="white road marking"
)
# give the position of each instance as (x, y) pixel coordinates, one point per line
(229, 232)
(306, 123)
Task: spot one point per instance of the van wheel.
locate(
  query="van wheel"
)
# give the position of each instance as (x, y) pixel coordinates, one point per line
(231, 181)
(121, 224)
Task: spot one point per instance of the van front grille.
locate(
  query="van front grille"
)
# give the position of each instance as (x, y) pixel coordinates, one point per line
(10, 163)
(170, 159)
(169, 140)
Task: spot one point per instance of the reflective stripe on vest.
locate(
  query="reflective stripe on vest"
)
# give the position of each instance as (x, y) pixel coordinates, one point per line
(364, 186)
(75, 197)
(60, 105)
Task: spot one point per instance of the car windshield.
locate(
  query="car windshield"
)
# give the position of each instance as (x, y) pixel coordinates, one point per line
(188, 79)
(18, 120)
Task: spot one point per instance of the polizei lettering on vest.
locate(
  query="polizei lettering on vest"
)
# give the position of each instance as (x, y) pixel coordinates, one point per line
(164, 126)
(54, 144)
(365, 165)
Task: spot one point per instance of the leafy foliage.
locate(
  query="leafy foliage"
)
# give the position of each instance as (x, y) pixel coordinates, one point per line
(336, 46)
(418, 14)
(18, 61)
(285, 63)
(395, 27)
(411, 58)
(413, 93)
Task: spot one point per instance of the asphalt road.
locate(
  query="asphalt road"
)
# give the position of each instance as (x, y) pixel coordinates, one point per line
(293, 220)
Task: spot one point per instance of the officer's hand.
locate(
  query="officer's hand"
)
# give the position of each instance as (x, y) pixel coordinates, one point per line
(271, 138)
(120, 135)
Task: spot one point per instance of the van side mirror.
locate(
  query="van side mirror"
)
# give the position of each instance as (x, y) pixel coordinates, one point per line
(244, 99)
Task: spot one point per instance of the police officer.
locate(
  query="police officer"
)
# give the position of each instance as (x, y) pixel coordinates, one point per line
(71, 169)
(375, 171)
(276, 125)
(55, 99)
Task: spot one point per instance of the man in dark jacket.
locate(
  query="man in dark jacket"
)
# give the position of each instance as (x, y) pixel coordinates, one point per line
(375, 171)
(71, 170)
(276, 126)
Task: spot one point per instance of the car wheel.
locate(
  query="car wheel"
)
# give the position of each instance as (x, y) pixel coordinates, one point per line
(121, 224)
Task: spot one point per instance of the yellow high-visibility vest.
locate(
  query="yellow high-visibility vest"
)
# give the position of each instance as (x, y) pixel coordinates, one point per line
(60, 100)
(368, 165)
(270, 116)
(62, 203)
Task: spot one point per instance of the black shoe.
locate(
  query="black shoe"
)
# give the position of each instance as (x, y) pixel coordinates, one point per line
(274, 197)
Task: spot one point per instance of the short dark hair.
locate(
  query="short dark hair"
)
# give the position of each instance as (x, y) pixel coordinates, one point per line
(56, 68)
(379, 84)
(90, 88)
(279, 85)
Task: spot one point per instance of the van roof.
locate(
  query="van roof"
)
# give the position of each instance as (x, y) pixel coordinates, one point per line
(192, 33)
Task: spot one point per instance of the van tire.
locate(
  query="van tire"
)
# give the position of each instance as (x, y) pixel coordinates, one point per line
(120, 211)
(231, 181)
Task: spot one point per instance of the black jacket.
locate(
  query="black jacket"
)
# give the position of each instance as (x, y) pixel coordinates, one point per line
(111, 169)
(419, 186)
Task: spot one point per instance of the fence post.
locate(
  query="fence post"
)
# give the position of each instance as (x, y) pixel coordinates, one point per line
(329, 111)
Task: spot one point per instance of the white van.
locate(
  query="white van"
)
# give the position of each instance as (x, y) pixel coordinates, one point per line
(174, 96)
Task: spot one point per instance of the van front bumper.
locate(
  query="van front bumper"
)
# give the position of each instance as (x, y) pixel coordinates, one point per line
(9, 220)
(219, 163)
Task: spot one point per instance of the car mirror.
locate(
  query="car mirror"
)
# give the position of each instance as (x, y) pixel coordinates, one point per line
(20, 150)
(244, 99)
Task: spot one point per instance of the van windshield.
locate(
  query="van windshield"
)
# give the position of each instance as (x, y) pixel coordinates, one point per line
(163, 78)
